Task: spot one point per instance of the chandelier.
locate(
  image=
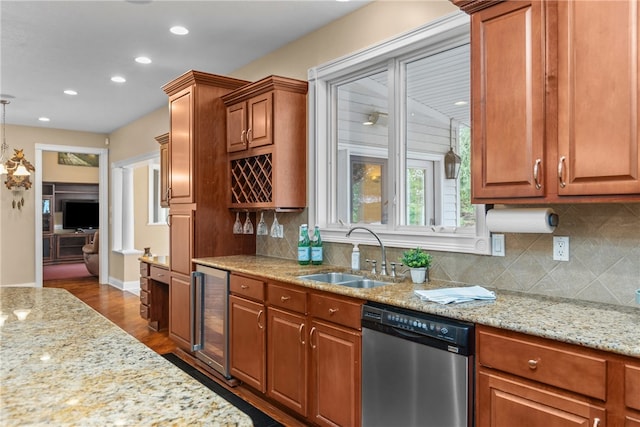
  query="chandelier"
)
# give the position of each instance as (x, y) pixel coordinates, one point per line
(16, 168)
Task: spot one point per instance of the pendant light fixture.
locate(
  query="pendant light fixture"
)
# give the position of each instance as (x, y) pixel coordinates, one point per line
(451, 160)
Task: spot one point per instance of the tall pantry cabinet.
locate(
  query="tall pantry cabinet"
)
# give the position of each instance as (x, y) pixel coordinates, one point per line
(200, 223)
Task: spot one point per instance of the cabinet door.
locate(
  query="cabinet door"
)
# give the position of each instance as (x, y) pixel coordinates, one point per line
(287, 359)
(507, 78)
(181, 147)
(260, 130)
(247, 343)
(180, 310)
(335, 399)
(237, 127)
(181, 220)
(47, 248)
(506, 402)
(598, 104)
(69, 246)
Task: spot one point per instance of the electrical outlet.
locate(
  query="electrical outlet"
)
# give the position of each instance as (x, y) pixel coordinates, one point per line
(561, 248)
(497, 245)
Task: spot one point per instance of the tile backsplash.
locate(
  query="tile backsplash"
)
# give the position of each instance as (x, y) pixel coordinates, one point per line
(604, 264)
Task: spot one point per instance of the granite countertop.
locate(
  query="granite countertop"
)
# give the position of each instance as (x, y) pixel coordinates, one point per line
(157, 260)
(600, 326)
(66, 365)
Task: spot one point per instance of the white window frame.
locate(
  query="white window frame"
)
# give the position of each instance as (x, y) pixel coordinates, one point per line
(323, 161)
(154, 196)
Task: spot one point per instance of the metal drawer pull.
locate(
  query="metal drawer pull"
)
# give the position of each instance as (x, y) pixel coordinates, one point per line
(259, 316)
(284, 298)
(300, 330)
(333, 310)
(560, 170)
(536, 170)
(533, 364)
(244, 286)
(596, 422)
(313, 331)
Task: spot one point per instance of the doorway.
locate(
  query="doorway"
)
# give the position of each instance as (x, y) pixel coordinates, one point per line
(103, 209)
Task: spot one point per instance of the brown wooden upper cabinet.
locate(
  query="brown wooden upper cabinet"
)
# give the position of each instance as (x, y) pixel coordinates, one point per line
(554, 101)
(266, 142)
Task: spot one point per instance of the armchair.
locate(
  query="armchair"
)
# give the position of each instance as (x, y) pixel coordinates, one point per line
(91, 255)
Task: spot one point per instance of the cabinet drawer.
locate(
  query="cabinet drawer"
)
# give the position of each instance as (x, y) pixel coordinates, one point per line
(159, 274)
(144, 311)
(250, 288)
(551, 363)
(144, 269)
(336, 310)
(632, 386)
(144, 297)
(288, 298)
(144, 284)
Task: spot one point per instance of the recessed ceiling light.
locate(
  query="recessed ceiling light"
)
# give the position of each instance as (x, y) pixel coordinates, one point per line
(179, 30)
(118, 79)
(70, 92)
(461, 103)
(44, 119)
(143, 60)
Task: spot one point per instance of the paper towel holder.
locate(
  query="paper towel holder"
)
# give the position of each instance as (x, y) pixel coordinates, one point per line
(522, 220)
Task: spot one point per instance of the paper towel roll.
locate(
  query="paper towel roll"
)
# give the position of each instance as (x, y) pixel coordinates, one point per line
(522, 220)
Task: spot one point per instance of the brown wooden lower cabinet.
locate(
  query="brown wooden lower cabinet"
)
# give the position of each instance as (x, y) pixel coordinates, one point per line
(247, 342)
(312, 352)
(180, 310)
(537, 382)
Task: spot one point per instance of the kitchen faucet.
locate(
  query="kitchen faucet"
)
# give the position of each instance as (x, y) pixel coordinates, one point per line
(383, 262)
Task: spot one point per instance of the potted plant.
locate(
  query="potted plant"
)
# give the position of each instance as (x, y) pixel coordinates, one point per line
(418, 262)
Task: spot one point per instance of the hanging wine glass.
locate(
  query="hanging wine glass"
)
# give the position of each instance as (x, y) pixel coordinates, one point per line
(237, 226)
(248, 225)
(275, 227)
(262, 226)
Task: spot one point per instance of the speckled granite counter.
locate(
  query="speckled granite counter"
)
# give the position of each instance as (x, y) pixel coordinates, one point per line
(160, 261)
(66, 365)
(604, 327)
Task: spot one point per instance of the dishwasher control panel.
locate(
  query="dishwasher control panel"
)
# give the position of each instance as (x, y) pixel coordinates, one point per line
(418, 323)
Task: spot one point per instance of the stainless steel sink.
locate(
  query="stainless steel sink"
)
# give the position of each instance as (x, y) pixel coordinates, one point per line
(331, 277)
(344, 279)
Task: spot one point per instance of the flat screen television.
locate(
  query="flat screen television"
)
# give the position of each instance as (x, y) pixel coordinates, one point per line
(83, 214)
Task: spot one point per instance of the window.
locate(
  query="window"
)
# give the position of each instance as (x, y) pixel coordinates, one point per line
(381, 122)
(157, 214)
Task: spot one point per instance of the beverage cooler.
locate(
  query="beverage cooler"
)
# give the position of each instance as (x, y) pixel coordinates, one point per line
(210, 322)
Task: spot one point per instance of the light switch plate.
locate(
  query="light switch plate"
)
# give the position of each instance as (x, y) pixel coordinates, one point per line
(497, 245)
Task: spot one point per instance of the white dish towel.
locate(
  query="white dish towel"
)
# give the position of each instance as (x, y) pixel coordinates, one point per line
(456, 295)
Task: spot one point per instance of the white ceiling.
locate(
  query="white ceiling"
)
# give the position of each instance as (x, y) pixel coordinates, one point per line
(49, 46)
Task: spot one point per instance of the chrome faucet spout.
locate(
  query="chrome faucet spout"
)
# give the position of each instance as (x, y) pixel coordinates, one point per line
(383, 261)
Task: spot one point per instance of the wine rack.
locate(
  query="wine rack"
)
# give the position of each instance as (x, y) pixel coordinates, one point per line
(252, 180)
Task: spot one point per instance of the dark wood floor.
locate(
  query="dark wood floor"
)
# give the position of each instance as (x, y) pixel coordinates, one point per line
(123, 309)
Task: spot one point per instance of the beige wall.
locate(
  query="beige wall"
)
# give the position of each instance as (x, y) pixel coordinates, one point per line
(17, 230)
(54, 172)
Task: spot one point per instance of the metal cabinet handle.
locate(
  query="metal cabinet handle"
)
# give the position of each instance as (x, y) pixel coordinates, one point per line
(333, 311)
(596, 422)
(260, 325)
(249, 135)
(242, 136)
(313, 331)
(284, 298)
(301, 332)
(533, 363)
(244, 286)
(560, 172)
(536, 170)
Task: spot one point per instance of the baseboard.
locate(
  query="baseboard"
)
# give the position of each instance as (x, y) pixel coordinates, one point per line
(132, 286)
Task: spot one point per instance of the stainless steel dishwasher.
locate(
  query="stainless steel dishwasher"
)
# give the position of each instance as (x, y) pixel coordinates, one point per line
(417, 369)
